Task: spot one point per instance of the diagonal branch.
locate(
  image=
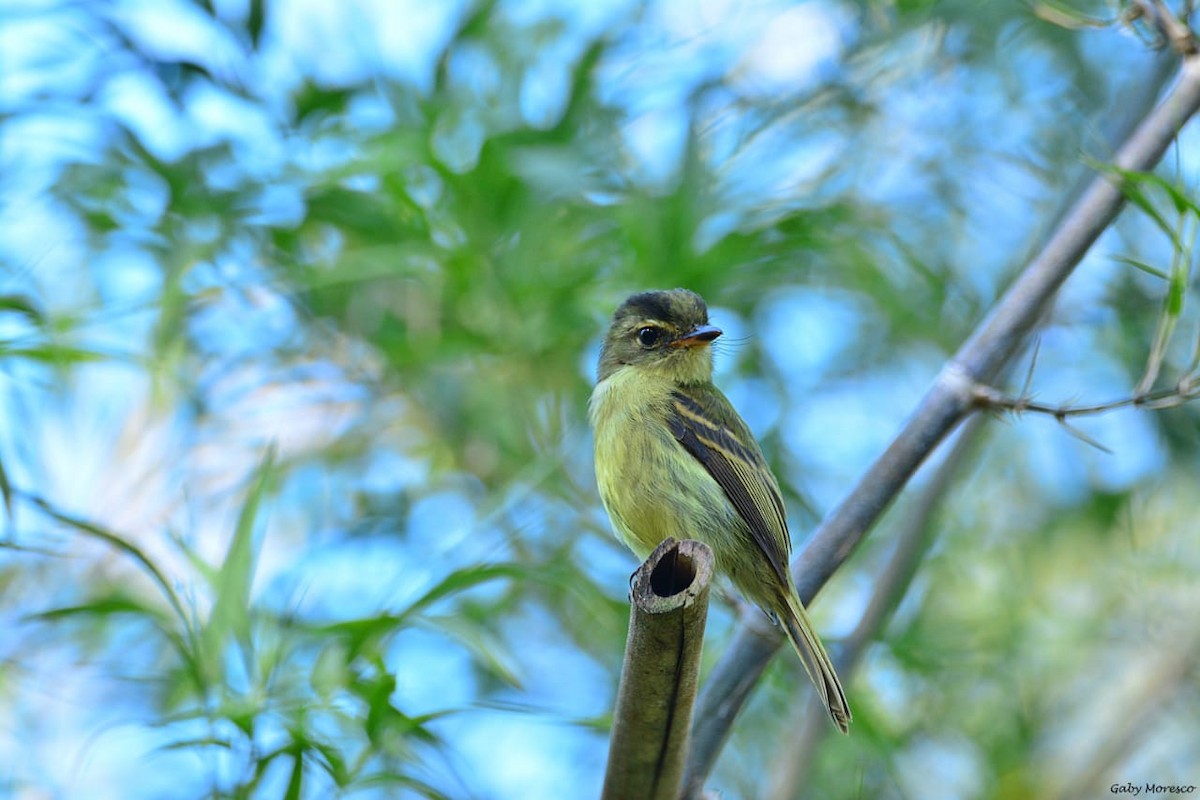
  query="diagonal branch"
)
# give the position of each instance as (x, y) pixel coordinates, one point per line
(989, 349)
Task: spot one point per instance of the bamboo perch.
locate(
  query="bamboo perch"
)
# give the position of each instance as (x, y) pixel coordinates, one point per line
(653, 717)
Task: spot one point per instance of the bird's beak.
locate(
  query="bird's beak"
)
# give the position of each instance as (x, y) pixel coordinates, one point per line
(697, 336)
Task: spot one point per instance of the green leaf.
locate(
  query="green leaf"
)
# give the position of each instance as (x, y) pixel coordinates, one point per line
(121, 545)
(1139, 199)
(1130, 185)
(461, 580)
(1142, 265)
(56, 354)
(1176, 292)
(333, 762)
(314, 99)
(203, 741)
(255, 21)
(295, 748)
(1182, 202)
(179, 634)
(230, 616)
(329, 671)
(6, 491)
(359, 631)
(354, 212)
(296, 780)
(21, 305)
(116, 603)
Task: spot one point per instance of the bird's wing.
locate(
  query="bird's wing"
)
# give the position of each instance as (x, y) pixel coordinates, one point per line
(709, 428)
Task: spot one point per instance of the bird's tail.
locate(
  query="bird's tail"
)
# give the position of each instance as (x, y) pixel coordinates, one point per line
(816, 661)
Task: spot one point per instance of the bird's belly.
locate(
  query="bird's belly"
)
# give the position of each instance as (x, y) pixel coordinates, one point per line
(652, 488)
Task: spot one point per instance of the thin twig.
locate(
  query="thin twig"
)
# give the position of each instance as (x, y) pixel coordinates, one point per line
(991, 399)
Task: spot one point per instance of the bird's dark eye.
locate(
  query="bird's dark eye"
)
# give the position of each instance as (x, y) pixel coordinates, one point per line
(648, 336)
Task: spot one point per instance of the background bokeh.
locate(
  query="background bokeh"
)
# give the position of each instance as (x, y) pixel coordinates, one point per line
(299, 307)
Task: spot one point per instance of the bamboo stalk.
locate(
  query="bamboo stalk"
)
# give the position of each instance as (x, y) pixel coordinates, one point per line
(653, 717)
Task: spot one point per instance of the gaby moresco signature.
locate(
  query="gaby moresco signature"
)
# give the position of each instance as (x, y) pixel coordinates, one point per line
(1151, 788)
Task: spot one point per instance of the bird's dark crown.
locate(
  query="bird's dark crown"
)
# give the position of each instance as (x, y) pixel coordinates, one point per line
(681, 308)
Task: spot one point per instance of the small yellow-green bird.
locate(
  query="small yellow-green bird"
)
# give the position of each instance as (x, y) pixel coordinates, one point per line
(673, 458)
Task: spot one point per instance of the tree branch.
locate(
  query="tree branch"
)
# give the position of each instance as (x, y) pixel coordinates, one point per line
(668, 609)
(949, 400)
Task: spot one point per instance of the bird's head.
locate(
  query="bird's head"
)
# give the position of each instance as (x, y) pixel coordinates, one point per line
(662, 332)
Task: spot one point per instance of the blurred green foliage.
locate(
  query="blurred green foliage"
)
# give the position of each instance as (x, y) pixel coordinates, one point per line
(394, 291)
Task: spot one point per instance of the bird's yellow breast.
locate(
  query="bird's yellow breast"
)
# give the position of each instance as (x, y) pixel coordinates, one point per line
(651, 486)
